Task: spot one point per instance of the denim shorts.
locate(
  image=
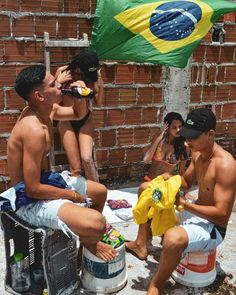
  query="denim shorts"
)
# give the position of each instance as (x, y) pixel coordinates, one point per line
(44, 213)
(203, 235)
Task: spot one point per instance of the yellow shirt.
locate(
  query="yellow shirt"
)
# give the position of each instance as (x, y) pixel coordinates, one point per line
(157, 203)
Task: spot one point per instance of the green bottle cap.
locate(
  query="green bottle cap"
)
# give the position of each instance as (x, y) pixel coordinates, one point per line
(18, 257)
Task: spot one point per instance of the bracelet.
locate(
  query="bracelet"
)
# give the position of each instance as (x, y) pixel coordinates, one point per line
(77, 197)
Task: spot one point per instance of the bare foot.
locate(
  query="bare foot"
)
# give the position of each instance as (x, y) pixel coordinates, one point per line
(103, 251)
(152, 290)
(135, 249)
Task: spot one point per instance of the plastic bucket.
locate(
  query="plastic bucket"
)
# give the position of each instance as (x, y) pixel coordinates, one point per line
(196, 269)
(103, 277)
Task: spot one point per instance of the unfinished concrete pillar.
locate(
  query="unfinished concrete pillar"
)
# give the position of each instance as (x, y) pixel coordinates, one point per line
(177, 89)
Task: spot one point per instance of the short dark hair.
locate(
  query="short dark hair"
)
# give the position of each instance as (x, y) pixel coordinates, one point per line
(171, 116)
(28, 79)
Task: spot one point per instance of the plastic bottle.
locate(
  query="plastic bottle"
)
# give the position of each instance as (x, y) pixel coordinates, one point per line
(78, 92)
(20, 274)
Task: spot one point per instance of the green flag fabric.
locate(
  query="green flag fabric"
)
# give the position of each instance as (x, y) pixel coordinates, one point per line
(158, 32)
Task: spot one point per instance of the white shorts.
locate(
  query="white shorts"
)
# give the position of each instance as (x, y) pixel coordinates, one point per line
(203, 235)
(43, 213)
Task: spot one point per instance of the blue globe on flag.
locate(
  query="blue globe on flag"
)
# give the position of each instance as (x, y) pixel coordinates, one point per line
(175, 20)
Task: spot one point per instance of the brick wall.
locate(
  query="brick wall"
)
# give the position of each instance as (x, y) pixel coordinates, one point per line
(134, 104)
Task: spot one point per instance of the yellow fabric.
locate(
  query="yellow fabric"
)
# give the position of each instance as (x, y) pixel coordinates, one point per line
(157, 203)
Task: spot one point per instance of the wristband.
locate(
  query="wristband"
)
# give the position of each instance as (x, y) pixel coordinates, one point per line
(77, 197)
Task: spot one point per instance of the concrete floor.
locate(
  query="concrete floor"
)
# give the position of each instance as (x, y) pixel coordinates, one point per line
(140, 272)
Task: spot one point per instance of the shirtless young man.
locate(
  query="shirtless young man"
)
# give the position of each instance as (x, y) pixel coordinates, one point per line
(203, 223)
(28, 146)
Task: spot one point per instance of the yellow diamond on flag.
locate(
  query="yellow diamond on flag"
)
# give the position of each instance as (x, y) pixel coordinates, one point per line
(169, 25)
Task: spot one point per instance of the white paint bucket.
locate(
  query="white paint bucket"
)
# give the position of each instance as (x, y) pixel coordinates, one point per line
(103, 277)
(196, 269)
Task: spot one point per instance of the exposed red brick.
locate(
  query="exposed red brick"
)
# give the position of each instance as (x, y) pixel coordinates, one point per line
(108, 138)
(111, 96)
(141, 135)
(221, 128)
(13, 101)
(3, 167)
(134, 155)
(4, 186)
(3, 146)
(108, 74)
(124, 172)
(133, 116)
(156, 74)
(199, 53)
(125, 136)
(127, 96)
(8, 75)
(10, 5)
(124, 74)
(51, 5)
(153, 131)
(57, 54)
(218, 112)
(158, 95)
(230, 35)
(33, 6)
(75, 6)
(145, 95)
(115, 117)
(208, 93)
(5, 25)
(7, 122)
(231, 17)
(142, 74)
(100, 118)
(220, 75)
(46, 24)
(2, 105)
(212, 54)
(23, 26)
(149, 115)
(196, 93)
(67, 27)
(232, 92)
(227, 54)
(116, 157)
(210, 74)
(230, 75)
(22, 51)
(229, 111)
(93, 5)
(222, 92)
(85, 26)
(102, 157)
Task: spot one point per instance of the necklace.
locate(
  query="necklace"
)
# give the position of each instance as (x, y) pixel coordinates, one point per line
(211, 155)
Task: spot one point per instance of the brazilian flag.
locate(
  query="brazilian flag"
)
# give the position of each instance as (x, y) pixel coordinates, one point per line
(158, 32)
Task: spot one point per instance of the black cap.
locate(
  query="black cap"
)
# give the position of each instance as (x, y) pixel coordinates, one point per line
(197, 122)
(88, 63)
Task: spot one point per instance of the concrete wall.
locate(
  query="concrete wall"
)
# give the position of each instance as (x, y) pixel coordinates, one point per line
(136, 96)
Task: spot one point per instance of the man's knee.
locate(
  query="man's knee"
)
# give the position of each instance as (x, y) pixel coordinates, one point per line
(175, 239)
(97, 226)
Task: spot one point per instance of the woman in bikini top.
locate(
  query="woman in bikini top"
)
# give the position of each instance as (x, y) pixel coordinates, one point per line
(167, 152)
